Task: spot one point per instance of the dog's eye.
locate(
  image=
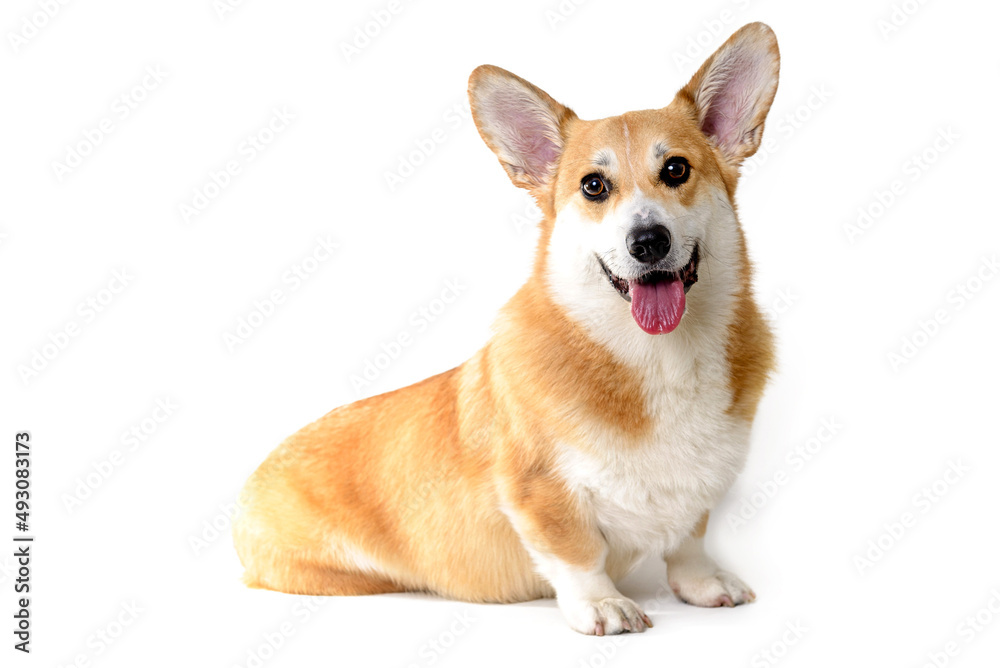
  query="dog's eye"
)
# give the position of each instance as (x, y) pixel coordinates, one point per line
(594, 187)
(675, 171)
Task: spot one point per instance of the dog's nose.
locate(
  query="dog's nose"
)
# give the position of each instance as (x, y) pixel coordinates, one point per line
(649, 245)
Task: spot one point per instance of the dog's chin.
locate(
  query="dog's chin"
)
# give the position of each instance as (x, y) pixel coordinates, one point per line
(657, 296)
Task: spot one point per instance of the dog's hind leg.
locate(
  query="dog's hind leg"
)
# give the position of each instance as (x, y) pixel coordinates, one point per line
(336, 572)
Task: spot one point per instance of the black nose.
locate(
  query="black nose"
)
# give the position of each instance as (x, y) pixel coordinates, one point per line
(649, 245)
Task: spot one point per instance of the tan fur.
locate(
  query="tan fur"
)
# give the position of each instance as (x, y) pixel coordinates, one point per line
(413, 490)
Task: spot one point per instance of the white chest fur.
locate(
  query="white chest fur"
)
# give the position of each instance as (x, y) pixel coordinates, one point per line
(648, 498)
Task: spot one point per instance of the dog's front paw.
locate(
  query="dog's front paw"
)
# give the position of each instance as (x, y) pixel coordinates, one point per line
(605, 616)
(714, 591)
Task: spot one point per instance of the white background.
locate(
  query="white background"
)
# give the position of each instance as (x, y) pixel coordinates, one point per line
(856, 103)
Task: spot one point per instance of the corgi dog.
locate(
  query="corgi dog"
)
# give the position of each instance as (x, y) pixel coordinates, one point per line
(611, 409)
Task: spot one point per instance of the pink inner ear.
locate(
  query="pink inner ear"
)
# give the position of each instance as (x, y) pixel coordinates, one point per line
(733, 92)
(526, 133)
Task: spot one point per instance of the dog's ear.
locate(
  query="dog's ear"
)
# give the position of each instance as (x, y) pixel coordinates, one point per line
(520, 123)
(732, 92)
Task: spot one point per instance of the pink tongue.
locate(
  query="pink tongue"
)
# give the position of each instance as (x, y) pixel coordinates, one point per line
(658, 307)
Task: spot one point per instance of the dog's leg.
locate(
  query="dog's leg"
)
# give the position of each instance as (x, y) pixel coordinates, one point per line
(570, 553)
(588, 598)
(696, 579)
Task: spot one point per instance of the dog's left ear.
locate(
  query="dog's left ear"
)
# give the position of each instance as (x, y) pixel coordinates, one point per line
(520, 122)
(732, 92)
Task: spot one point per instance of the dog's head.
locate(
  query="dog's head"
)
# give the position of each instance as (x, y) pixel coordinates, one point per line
(639, 206)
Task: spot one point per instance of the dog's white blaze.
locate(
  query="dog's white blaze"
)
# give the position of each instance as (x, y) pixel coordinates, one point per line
(628, 145)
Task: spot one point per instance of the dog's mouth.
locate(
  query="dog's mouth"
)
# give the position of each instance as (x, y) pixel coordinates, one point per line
(658, 297)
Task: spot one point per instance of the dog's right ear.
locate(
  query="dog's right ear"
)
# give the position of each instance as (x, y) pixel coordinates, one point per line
(520, 123)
